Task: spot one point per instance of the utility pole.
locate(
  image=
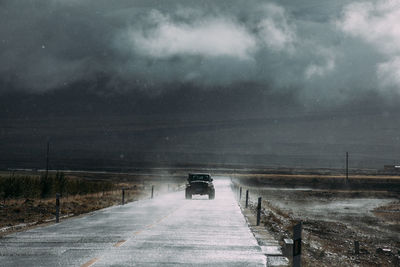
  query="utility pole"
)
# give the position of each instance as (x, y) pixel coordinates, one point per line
(347, 166)
(47, 158)
(259, 211)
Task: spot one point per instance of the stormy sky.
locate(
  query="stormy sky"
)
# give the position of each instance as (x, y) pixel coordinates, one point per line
(332, 50)
(235, 58)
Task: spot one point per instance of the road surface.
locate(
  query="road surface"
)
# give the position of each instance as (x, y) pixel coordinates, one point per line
(167, 230)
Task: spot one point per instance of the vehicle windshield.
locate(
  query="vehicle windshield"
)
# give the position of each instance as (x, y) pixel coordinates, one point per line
(199, 177)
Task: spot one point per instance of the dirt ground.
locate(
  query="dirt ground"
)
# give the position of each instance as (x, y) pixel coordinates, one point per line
(21, 214)
(332, 220)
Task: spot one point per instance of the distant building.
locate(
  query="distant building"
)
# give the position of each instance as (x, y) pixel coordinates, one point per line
(391, 168)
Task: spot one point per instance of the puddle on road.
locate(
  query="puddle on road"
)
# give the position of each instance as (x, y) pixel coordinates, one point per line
(333, 207)
(328, 206)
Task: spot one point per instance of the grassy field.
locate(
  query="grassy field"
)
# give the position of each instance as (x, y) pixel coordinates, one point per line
(366, 209)
(319, 176)
(320, 181)
(28, 198)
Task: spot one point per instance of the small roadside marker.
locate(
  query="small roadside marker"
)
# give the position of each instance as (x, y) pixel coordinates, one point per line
(90, 263)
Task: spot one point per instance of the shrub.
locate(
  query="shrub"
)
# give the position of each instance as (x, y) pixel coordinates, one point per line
(46, 184)
(44, 187)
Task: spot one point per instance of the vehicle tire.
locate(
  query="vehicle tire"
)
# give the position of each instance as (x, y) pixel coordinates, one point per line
(211, 195)
(188, 195)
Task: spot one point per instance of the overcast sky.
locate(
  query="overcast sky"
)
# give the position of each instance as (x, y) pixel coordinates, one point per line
(305, 80)
(329, 51)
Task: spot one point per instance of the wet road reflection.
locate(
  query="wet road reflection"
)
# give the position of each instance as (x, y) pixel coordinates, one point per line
(168, 230)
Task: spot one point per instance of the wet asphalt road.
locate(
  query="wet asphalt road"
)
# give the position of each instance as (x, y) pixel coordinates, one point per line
(165, 231)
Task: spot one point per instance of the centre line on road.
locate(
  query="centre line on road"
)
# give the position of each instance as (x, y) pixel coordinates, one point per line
(119, 243)
(158, 221)
(90, 263)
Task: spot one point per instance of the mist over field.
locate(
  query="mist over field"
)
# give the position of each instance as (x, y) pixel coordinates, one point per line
(272, 83)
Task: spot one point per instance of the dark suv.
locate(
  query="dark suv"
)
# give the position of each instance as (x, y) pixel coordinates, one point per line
(199, 184)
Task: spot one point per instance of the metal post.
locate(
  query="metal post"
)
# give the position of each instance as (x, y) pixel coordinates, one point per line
(123, 196)
(247, 198)
(57, 208)
(356, 247)
(258, 211)
(240, 193)
(297, 245)
(347, 166)
(47, 159)
(152, 191)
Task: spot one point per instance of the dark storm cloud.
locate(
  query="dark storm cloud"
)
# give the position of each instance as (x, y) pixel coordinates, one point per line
(320, 52)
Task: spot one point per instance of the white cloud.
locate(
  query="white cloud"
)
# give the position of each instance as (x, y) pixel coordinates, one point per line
(189, 32)
(319, 70)
(209, 37)
(275, 31)
(378, 24)
(389, 72)
(327, 65)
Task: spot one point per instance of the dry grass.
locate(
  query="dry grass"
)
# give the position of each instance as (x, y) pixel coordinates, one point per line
(17, 211)
(326, 243)
(390, 213)
(14, 212)
(313, 176)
